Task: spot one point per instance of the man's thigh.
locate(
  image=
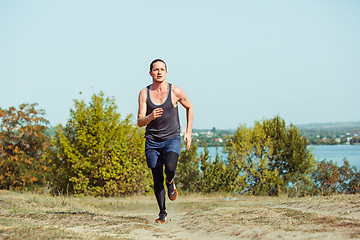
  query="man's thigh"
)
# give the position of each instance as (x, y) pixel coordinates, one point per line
(153, 153)
(172, 145)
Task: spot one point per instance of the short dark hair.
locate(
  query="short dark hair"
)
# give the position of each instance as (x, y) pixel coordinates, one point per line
(157, 60)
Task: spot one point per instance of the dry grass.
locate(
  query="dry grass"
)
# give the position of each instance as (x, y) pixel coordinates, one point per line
(40, 216)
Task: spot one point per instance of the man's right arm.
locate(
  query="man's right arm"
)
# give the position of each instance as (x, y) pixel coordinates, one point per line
(144, 120)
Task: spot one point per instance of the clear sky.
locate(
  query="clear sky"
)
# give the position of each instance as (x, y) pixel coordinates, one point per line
(238, 61)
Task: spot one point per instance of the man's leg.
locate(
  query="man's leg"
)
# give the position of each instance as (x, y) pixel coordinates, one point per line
(154, 160)
(171, 159)
(158, 177)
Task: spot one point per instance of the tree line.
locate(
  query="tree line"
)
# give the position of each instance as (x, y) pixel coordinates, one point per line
(99, 153)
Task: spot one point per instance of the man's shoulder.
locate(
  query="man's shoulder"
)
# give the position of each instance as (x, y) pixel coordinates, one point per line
(143, 93)
(145, 88)
(176, 90)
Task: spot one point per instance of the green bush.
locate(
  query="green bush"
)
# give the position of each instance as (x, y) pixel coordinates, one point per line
(270, 158)
(97, 153)
(188, 173)
(217, 176)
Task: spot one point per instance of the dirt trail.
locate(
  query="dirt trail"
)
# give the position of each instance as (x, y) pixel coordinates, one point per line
(331, 218)
(190, 217)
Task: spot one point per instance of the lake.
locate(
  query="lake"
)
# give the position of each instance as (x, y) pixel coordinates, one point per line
(329, 152)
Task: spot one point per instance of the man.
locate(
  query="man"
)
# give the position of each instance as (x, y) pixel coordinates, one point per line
(158, 111)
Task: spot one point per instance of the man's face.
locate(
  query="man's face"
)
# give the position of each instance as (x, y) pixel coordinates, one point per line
(158, 72)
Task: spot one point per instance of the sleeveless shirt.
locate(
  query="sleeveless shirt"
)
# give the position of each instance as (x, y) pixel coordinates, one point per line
(168, 125)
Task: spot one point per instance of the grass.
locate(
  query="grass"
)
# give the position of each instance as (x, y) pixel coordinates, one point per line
(25, 215)
(39, 216)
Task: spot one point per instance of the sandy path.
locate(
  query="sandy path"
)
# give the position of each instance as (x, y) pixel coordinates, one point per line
(189, 217)
(335, 217)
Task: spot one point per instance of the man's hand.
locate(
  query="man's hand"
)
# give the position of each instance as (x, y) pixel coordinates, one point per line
(187, 139)
(143, 119)
(156, 113)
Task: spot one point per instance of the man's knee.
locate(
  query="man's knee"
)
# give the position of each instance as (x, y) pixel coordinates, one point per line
(171, 159)
(158, 177)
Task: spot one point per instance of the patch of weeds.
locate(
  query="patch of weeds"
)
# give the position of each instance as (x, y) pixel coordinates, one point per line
(14, 209)
(72, 213)
(355, 234)
(6, 222)
(63, 202)
(157, 235)
(121, 232)
(263, 219)
(18, 229)
(33, 200)
(298, 215)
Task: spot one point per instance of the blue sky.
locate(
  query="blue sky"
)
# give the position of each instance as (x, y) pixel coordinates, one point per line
(238, 61)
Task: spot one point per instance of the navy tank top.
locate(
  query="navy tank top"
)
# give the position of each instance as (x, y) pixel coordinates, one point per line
(168, 125)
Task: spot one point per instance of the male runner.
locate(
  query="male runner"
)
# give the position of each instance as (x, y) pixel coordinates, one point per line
(158, 111)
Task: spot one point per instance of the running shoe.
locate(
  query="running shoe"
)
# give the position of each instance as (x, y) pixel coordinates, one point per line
(162, 217)
(172, 192)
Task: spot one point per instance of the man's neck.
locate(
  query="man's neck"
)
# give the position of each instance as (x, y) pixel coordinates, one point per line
(159, 86)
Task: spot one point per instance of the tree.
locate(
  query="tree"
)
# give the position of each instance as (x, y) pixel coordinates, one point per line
(97, 153)
(290, 155)
(270, 157)
(217, 175)
(188, 174)
(23, 140)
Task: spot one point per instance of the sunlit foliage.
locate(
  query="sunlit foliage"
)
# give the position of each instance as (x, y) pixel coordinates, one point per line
(97, 153)
(270, 157)
(188, 173)
(22, 143)
(329, 178)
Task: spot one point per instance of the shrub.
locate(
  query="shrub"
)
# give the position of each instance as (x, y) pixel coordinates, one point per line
(97, 153)
(270, 157)
(22, 142)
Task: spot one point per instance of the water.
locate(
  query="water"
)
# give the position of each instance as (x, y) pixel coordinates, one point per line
(337, 153)
(329, 152)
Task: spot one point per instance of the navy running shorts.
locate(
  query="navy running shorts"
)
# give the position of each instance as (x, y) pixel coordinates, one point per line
(155, 151)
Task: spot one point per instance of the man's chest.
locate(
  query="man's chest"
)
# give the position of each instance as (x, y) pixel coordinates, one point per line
(158, 98)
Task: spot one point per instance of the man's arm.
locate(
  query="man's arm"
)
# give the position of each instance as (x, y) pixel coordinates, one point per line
(182, 98)
(144, 120)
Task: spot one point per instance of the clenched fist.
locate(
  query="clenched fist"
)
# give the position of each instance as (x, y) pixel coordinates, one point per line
(156, 113)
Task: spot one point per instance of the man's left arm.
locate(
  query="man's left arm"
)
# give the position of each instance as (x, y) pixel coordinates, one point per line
(185, 102)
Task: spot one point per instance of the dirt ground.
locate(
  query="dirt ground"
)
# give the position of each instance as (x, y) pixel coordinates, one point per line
(40, 216)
